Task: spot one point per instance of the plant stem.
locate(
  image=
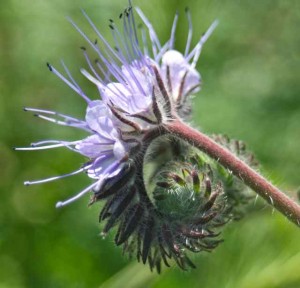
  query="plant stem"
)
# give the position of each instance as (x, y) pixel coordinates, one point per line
(249, 176)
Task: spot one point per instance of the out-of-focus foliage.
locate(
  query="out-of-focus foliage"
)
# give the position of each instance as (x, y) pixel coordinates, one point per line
(251, 91)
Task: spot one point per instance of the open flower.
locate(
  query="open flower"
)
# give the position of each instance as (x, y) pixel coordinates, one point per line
(107, 153)
(177, 69)
(139, 90)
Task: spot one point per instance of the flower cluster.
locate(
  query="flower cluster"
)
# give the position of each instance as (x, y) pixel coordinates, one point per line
(139, 91)
(143, 85)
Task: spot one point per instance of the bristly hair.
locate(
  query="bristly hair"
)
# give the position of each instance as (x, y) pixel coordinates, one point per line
(188, 200)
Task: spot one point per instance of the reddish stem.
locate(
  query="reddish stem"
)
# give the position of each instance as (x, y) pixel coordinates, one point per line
(250, 177)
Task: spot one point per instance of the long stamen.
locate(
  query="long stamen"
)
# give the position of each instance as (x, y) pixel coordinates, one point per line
(59, 122)
(154, 39)
(129, 46)
(107, 74)
(90, 64)
(97, 82)
(79, 125)
(109, 48)
(71, 85)
(27, 183)
(119, 44)
(133, 35)
(36, 146)
(103, 87)
(128, 36)
(162, 51)
(190, 32)
(135, 38)
(71, 77)
(67, 117)
(144, 40)
(108, 62)
(197, 50)
(79, 195)
(173, 30)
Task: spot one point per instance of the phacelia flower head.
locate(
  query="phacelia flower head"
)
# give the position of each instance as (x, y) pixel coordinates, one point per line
(142, 86)
(139, 90)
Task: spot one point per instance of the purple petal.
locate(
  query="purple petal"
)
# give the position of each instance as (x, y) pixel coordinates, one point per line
(183, 77)
(93, 146)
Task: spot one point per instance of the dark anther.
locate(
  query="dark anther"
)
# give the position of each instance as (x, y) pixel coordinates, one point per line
(111, 27)
(49, 66)
(83, 48)
(121, 15)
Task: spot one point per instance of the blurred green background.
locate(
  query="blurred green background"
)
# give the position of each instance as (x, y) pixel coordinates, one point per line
(251, 74)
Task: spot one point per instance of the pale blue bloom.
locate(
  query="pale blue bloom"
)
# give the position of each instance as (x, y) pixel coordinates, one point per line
(141, 86)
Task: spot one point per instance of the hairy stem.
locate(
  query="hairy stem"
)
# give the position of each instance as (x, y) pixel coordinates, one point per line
(250, 177)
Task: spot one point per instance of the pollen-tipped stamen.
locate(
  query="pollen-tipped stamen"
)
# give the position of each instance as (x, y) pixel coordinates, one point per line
(27, 183)
(76, 197)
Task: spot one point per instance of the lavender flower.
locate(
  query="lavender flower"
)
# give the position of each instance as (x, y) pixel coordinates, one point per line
(178, 70)
(106, 151)
(141, 89)
(138, 90)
